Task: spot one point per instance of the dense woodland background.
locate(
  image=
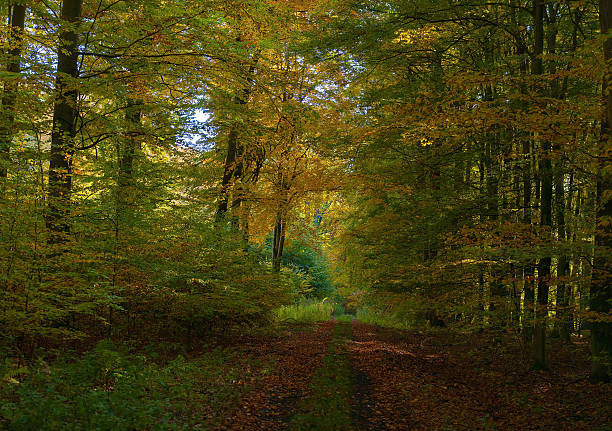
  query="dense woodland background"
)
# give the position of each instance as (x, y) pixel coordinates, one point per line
(175, 168)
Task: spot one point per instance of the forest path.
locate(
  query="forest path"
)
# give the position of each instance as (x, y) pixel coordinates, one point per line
(294, 360)
(351, 376)
(412, 383)
(448, 381)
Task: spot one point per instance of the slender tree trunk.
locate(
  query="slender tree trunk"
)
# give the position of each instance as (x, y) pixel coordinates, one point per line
(125, 193)
(561, 302)
(228, 173)
(563, 316)
(492, 184)
(601, 284)
(539, 345)
(529, 267)
(545, 262)
(280, 227)
(496, 289)
(430, 246)
(526, 179)
(481, 187)
(535, 169)
(576, 268)
(64, 124)
(7, 111)
(126, 155)
(245, 227)
(239, 189)
(516, 180)
(278, 241)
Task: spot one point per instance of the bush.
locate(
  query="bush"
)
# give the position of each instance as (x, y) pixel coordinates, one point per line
(110, 389)
(309, 264)
(380, 318)
(306, 311)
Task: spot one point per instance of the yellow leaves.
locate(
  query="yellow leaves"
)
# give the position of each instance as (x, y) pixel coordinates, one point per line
(404, 37)
(425, 142)
(11, 374)
(422, 36)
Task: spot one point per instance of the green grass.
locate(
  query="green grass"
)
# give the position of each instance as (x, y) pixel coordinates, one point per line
(345, 318)
(305, 312)
(387, 320)
(328, 407)
(112, 389)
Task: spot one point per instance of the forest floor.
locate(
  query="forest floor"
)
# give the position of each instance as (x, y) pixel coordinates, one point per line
(351, 376)
(337, 375)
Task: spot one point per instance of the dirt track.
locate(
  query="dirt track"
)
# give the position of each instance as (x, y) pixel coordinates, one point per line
(415, 381)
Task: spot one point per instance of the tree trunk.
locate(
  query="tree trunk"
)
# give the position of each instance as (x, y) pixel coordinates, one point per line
(126, 154)
(278, 242)
(492, 183)
(576, 267)
(228, 173)
(561, 325)
(529, 267)
(562, 306)
(239, 189)
(526, 178)
(234, 161)
(7, 111)
(601, 285)
(497, 290)
(545, 174)
(545, 262)
(64, 124)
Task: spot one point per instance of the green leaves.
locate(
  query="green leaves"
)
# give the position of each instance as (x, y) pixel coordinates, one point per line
(110, 388)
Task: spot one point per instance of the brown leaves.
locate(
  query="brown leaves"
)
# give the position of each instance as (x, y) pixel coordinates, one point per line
(296, 358)
(461, 382)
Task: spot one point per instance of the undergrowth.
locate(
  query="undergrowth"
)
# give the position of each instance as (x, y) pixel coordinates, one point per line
(307, 311)
(387, 320)
(111, 389)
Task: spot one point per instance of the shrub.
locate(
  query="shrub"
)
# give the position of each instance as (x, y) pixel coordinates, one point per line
(111, 389)
(380, 318)
(306, 311)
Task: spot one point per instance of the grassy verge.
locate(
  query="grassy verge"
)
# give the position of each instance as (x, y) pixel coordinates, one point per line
(110, 389)
(329, 405)
(310, 311)
(386, 320)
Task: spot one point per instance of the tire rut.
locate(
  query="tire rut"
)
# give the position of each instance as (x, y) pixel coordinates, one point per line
(363, 413)
(274, 401)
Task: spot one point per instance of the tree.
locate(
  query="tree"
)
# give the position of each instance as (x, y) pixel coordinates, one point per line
(539, 343)
(16, 20)
(601, 286)
(459, 150)
(64, 122)
(451, 148)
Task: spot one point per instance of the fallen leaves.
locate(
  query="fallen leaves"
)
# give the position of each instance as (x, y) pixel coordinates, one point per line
(407, 380)
(458, 382)
(271, 404)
